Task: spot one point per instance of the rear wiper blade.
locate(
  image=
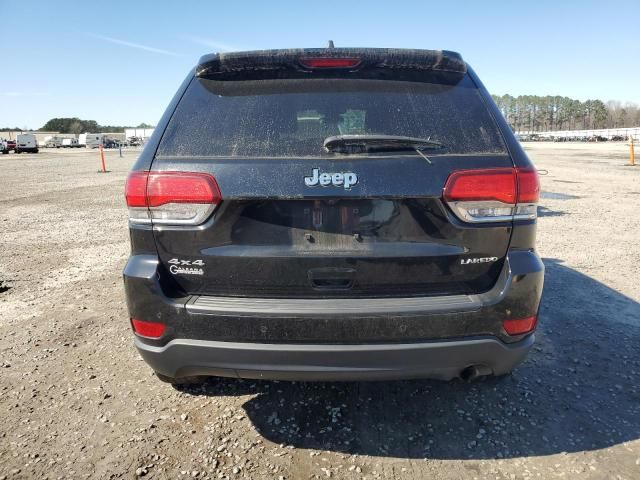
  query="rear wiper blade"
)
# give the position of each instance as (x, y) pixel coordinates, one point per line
(379, 143)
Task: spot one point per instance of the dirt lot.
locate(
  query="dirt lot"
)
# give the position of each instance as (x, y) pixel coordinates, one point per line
(76, 401)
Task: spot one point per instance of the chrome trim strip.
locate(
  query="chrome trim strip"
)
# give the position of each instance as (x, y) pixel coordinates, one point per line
(332, 306)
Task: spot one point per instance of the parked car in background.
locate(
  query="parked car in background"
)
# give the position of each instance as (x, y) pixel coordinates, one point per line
(110, 143)
(27, 143)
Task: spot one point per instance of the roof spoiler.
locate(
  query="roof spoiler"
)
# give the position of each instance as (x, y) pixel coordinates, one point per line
(378, 63)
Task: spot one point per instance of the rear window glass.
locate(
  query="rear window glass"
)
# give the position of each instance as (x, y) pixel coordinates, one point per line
(292, 118)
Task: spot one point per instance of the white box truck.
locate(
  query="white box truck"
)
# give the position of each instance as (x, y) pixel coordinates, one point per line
(70, 143)
(26, 142)
(53, 142)
(94, 140)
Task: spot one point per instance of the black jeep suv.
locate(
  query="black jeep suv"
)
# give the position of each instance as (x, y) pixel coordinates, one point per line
(333, 214)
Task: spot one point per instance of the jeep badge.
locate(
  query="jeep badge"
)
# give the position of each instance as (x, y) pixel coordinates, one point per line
(339, 179)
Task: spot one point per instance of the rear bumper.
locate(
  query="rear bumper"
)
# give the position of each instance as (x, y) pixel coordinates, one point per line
(441, 360)
(331, 339)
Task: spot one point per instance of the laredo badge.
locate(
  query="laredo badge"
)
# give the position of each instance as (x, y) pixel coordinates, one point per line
(467, 261)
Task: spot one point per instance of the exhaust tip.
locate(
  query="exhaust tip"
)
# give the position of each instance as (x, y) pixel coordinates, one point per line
(473, 372)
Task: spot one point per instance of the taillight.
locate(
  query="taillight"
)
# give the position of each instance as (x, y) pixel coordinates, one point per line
(519, 326)
(148, 329)
(493, 195)
(325, 62)
(528, 193)
(136, 189)
(180, 198)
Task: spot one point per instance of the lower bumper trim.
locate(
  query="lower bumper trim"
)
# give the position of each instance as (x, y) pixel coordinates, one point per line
(438, 359)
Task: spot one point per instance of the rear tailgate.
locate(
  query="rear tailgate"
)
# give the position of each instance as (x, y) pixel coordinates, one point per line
(276, 235)
(391, 235)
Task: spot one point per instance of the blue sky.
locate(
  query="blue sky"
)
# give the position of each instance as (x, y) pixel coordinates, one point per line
(121, 62)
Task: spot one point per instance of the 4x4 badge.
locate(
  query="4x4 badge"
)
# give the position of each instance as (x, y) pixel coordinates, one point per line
(345, 180)
(186, 267)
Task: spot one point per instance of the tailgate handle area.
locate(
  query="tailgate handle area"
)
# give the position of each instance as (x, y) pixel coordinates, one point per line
(331, 278)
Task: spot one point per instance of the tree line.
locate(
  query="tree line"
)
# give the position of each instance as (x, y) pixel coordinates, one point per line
(524, 113)
(548, 113)
(75, 125)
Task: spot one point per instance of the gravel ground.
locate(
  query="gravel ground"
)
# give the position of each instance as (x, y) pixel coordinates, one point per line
(77, 402)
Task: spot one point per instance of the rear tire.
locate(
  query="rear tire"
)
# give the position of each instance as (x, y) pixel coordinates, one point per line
(181, 381)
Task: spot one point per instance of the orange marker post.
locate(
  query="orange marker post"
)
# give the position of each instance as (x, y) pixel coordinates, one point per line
(104, 167)
(632, 155)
